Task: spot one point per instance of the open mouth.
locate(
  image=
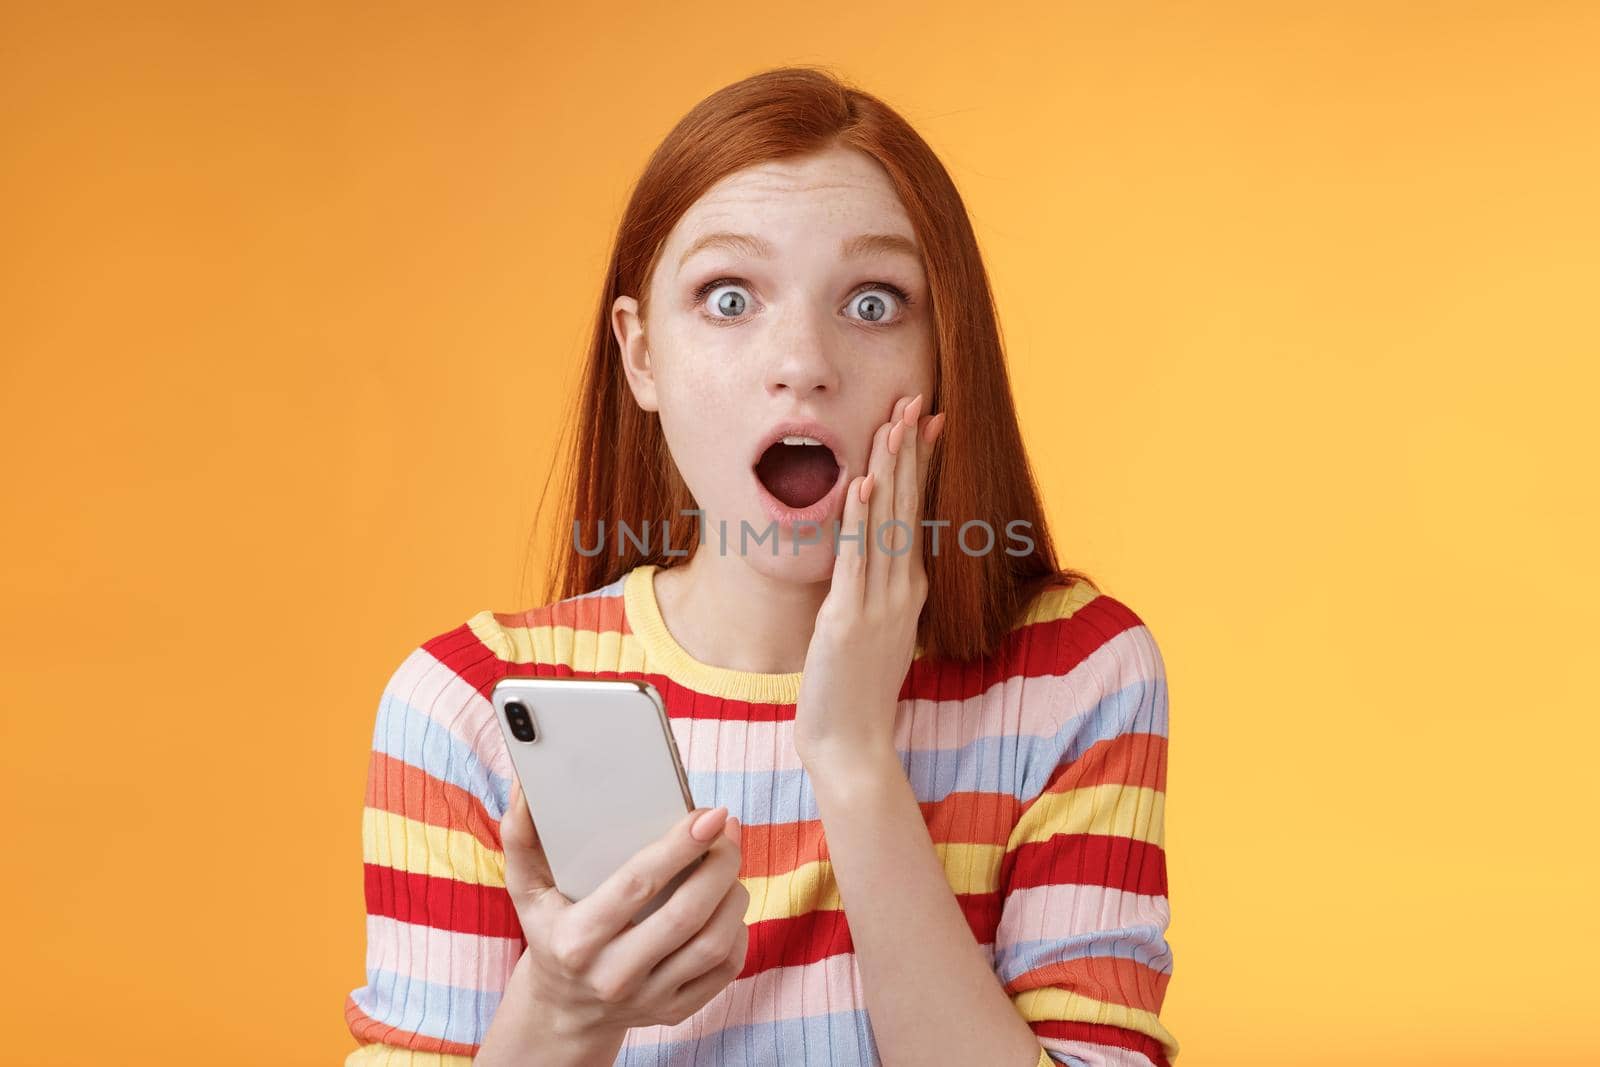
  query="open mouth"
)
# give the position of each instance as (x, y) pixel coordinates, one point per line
(798, 471)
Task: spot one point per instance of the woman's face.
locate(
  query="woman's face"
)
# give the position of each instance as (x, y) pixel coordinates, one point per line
(791, 292)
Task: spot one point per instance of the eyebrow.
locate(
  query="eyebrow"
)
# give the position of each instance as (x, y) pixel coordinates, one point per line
(866, 244)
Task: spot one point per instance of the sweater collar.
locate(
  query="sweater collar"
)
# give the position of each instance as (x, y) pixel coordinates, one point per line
(664, 655)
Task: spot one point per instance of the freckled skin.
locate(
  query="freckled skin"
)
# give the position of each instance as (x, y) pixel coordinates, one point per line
(803, 345)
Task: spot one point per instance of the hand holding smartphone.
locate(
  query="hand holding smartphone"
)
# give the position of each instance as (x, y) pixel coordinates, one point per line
(653, 939)
(599, 766)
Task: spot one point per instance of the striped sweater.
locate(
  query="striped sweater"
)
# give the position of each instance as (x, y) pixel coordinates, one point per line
(1040, 771)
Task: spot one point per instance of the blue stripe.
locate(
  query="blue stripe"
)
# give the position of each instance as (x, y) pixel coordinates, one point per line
(1144, 943)
(841, 1039)
(1008, 764)
(404, 733)
(614, 589)
(987, 764)
(1137, 708)
(450, 1013)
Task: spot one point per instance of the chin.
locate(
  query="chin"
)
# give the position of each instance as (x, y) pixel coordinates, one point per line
(811, 563)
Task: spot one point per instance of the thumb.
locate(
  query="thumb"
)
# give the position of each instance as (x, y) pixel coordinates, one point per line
(527, 870)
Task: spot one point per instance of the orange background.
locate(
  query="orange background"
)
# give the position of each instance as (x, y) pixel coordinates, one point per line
(1300, 301)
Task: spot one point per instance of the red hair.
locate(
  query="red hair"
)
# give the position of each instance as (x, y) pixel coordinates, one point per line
(619, 467)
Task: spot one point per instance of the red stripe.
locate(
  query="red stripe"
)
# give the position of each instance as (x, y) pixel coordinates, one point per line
(1109, 1036)
(1047, 647)
(1112, 979)
(592, 614)
(441, 903)
(1087, 859)
(802, 939)
(982, 911)
(772, 849)
(369, 1031)
(796, 941)
(1135, 759)
(403, 789)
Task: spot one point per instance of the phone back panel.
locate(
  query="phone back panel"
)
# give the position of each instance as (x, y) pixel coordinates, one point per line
(602, 777)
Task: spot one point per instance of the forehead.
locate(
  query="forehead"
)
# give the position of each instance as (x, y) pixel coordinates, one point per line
(841, 193)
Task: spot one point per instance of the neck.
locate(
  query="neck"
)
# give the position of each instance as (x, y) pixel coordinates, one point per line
(727, 614)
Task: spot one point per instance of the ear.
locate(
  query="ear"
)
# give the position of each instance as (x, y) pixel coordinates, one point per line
(636, 361)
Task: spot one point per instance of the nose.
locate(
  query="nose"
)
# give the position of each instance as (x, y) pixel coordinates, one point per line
(801, 364)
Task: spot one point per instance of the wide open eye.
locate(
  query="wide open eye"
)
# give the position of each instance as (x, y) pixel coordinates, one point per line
(880, 303)
(729, 300)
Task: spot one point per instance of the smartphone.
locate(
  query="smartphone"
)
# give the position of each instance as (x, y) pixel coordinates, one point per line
(601, 771)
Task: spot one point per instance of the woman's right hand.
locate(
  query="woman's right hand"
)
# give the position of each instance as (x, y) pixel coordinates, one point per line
(590, 972)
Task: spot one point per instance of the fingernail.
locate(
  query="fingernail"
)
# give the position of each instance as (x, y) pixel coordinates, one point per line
(866, 487)
(734, 829)
(894, 437)
(935, 426)
(913, 409)
(707, 825)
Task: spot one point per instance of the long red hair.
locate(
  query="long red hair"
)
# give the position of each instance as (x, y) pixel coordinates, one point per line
(619, 467)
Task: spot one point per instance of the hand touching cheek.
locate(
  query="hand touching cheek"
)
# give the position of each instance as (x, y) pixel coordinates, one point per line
(866, 629)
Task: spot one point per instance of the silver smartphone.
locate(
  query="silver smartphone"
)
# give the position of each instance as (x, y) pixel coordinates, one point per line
(601, 771)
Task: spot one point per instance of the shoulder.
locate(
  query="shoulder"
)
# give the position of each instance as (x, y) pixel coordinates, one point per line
(1099, 656)
(1071, 621)
(558, 636)
(435, 711)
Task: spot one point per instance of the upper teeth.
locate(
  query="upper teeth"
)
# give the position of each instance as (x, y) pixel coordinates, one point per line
(796, 439)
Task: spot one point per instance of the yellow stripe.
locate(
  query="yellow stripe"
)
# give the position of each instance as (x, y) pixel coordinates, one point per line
(581, 650)
(414, 847)
(491, 633)
(1054, 1004)
(1058, 603)
(1113, 809)
(811, 887)
(585, 650)
(389, 1056)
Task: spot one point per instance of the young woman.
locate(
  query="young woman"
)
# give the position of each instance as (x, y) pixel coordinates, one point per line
(931, 761)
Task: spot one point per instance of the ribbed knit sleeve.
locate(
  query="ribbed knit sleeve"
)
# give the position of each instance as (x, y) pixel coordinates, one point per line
(442, 936)
(1081, 942)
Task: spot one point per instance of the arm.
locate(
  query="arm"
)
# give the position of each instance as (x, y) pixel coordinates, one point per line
(930, 991)
(442, 936)
(1081, 944)
(1081, 959)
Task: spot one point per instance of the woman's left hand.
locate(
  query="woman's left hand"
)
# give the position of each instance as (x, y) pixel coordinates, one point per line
(866, 629)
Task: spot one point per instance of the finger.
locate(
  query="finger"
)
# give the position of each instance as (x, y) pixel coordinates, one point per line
(850, 559)
(527, 870)
(880, 505)
(927, 436)
(719, 932)
(699, 992)
(642, 947)
(613, 904)
(907, 495)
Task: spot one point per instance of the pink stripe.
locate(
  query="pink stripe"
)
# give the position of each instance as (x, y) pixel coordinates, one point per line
(1115, 665)
(468, 961)
(1051, 912)
(830, 984)
(920, 725)
(998, 711)
(1099, 1055)
(432, 688)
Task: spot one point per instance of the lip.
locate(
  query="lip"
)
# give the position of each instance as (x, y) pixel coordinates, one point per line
(831, 503)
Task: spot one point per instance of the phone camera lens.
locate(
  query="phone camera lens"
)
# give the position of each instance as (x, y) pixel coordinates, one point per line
(520, 721)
